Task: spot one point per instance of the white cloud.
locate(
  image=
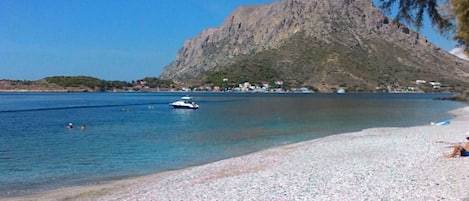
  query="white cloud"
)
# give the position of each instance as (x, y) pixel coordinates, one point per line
(459, 52)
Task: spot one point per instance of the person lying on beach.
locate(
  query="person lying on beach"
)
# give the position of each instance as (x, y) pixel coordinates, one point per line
(460, 150)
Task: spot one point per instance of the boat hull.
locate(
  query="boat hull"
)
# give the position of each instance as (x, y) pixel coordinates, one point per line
(185, 103)
(185, 107)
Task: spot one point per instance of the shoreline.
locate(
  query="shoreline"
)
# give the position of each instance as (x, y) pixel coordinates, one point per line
(375, 163)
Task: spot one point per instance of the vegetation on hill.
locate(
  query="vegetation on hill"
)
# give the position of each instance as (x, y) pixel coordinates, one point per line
(304, 61)
(85, 83)
(154, 82)
(255, 71)
(75, 81)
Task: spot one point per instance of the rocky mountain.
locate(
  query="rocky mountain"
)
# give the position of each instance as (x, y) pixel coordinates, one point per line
(320, 43)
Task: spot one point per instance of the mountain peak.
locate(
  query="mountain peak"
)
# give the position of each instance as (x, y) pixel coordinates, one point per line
(323, 35)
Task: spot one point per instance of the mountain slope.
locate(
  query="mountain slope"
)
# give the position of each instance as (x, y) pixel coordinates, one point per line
(320, 43)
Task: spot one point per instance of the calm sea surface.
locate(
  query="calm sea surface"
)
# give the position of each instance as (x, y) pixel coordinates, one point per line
(132, 134)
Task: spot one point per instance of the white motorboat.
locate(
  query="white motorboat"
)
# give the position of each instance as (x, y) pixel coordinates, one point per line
(185, 103)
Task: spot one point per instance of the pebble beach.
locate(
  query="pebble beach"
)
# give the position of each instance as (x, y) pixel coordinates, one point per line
(373, 164)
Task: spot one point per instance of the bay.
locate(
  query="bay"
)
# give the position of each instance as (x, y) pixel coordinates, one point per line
(130, 134)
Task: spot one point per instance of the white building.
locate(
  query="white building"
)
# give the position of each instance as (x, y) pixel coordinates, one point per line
(420, 81)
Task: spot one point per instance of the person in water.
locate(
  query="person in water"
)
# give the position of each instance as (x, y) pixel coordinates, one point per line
(83, 127)
(70, 126)
(460, 150)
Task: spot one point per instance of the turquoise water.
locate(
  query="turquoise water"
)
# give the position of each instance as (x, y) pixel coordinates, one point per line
(131, 134)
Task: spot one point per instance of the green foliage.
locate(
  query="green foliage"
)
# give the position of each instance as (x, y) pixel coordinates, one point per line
(88, 82)
(312, 88)
(461, 13)
(21, 82)
(110, 85)
(253, 71)
(76, 81)
(154, 82)
(412, 12)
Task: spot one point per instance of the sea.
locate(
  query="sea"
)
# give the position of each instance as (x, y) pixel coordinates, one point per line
(133, 134)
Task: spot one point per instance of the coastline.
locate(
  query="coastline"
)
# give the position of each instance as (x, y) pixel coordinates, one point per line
(376, 163)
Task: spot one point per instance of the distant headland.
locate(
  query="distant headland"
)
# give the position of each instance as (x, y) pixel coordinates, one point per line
(154, 84)
(85, 84)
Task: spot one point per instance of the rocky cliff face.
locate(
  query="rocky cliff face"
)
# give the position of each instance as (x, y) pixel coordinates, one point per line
(337, 41)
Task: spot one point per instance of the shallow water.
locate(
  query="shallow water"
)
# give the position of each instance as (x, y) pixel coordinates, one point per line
(132, 134)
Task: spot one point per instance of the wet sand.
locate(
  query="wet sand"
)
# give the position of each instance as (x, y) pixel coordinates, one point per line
(373, 164)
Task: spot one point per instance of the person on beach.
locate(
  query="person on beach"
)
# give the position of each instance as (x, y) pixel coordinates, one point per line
(460, 150)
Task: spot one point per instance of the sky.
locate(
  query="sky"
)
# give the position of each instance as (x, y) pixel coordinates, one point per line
(112, 40)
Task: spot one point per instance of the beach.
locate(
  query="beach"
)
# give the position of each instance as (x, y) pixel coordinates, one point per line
(373, 164)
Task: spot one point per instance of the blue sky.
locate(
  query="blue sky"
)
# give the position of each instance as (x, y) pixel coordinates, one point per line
(112, 40)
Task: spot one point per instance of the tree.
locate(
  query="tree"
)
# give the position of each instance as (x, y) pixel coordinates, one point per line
(412, 13)
(460, 10)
